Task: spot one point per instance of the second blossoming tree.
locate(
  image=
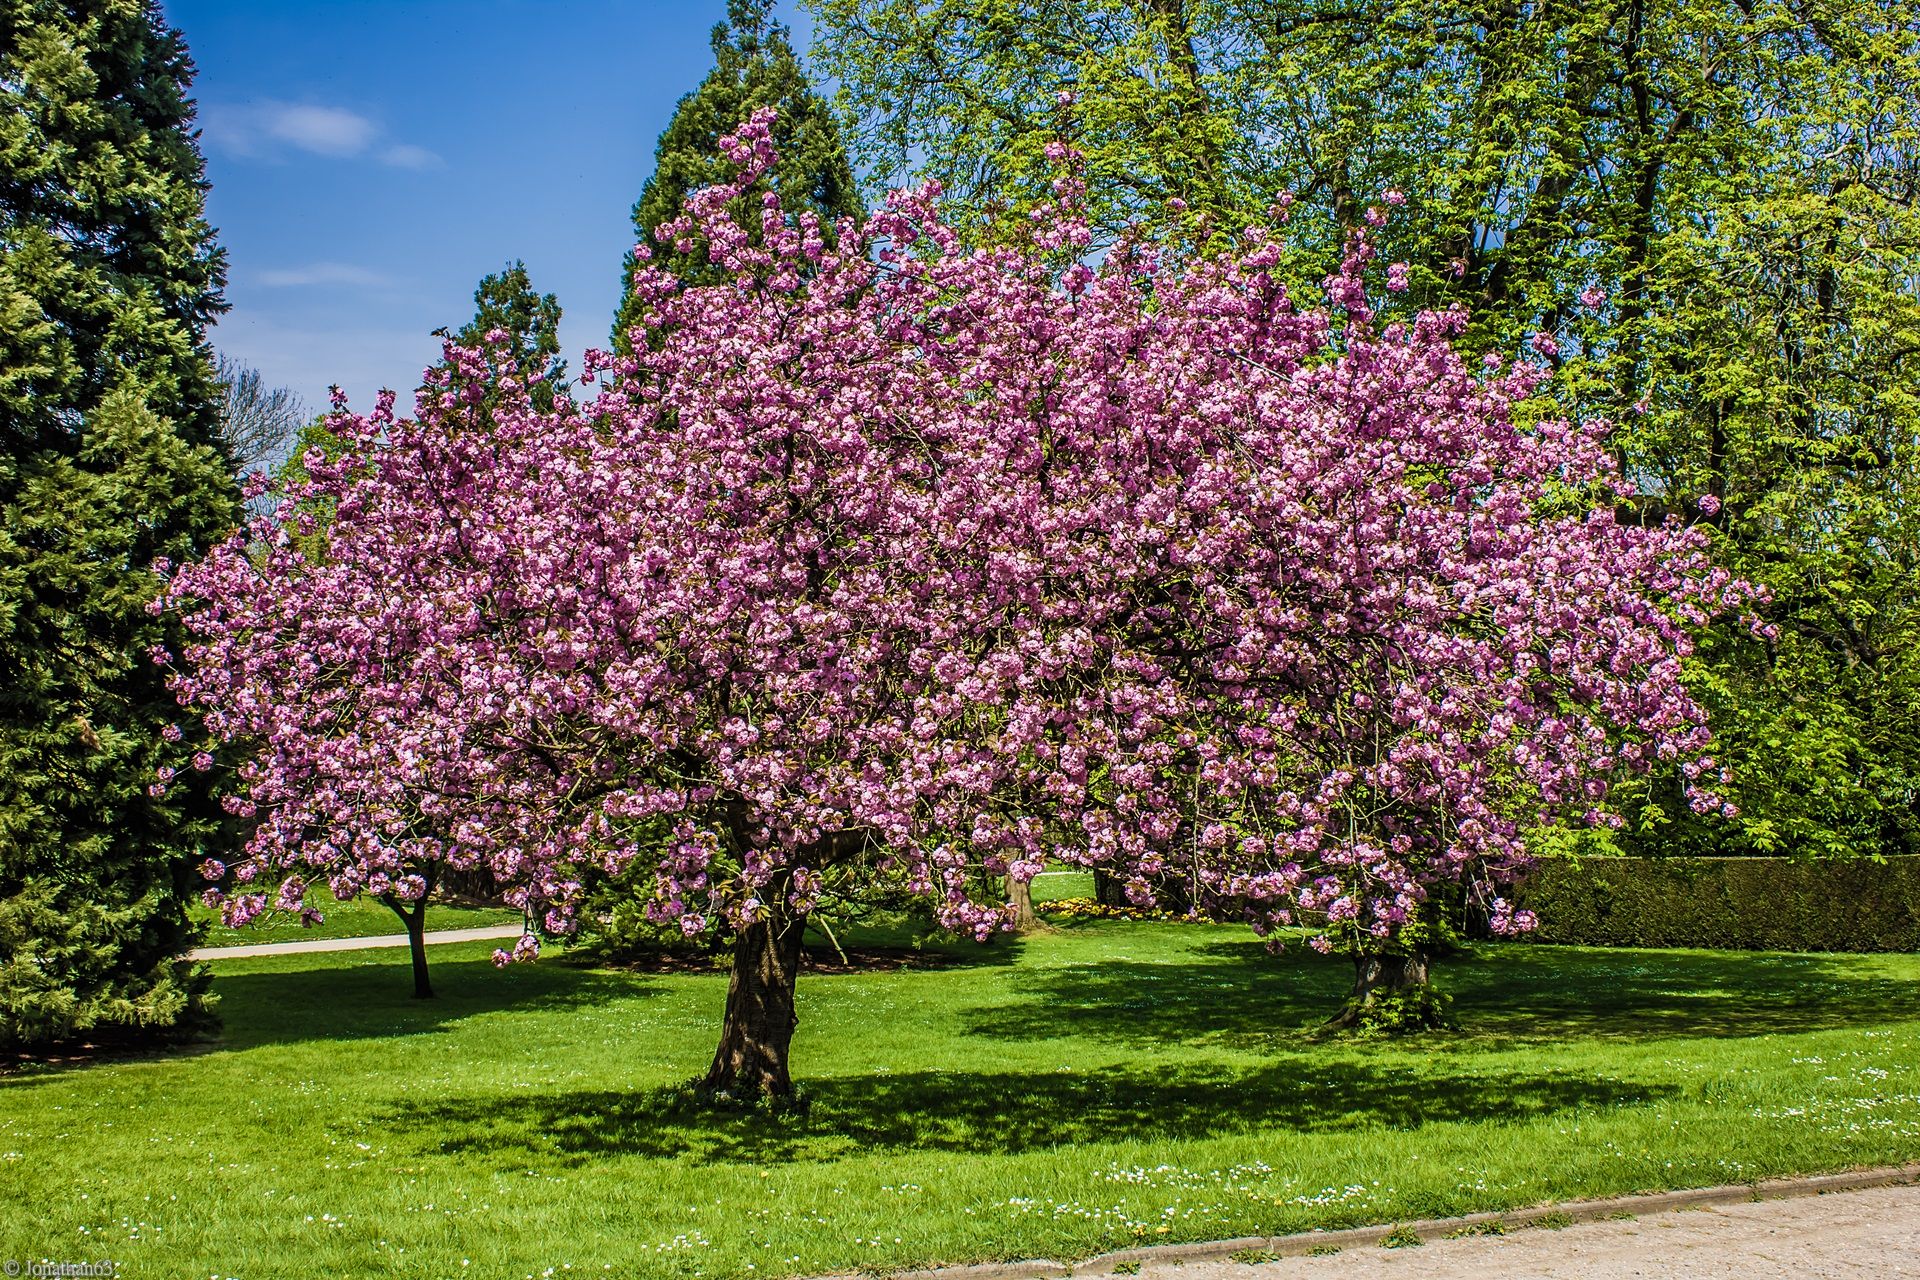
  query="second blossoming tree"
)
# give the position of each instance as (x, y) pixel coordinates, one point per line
(895, 560)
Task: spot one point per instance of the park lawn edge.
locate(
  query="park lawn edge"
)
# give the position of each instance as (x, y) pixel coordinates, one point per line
(1551, 1214)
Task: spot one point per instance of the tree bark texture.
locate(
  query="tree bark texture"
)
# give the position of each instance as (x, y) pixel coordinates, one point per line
(751, 1060)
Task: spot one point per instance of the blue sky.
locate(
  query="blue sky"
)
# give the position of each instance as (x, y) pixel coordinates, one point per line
(371, 161)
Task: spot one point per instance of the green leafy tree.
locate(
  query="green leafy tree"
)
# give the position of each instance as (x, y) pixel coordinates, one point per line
(109, 275)
(972, 91)
(1709, 206)
(97, 852)
(754, 66)
(505, 303)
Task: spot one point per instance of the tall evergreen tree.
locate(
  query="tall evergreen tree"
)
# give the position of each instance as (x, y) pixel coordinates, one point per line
(754, 66)
(109, 275)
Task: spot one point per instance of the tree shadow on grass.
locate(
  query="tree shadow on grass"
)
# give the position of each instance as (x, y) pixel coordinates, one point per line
(356, 996)
(1529, 993)
(374, 999)
(1244, 998)
(1233, 992)
(993, 1113)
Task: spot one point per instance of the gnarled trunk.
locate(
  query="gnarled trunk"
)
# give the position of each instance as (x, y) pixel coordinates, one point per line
(1108, 889)
(752, 1057)
(1392, 992)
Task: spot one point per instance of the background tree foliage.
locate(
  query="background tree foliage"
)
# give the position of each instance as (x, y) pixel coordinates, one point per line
(506, 301)
(754, 66)
(108, 405)
(258, 423)
(1730, 183)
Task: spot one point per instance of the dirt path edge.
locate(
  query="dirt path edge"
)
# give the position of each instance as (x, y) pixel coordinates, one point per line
(1559, 1213)
(370, 942)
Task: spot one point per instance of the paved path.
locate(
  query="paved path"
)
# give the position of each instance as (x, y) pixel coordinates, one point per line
(1845, 1235)
(481, 934)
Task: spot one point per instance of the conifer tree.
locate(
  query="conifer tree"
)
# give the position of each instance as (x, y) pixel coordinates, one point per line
(754, 66)
(506, 302)
(109, 460)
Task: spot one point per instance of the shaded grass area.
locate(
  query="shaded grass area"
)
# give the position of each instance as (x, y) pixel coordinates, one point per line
(360, 918)
(1083, 1089)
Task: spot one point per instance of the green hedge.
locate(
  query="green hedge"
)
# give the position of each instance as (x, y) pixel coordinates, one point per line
(1754, 904)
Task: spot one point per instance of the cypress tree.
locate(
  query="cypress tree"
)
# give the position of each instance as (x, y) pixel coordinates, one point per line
(754, 66)
(109, 275)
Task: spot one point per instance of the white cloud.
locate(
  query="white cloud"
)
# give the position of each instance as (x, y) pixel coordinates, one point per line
(323, 273)
(405, 155)
(266, 129)
(326, 131)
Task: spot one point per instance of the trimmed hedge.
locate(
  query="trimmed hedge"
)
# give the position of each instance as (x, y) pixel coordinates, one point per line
(1751, 904)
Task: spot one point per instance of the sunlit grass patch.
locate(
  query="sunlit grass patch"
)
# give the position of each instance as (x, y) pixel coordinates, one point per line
(1095, 1087)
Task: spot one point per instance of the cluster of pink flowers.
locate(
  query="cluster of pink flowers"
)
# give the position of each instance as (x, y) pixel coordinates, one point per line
(893, 559)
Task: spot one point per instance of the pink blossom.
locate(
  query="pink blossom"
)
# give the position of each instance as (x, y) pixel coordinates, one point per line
(896, 559)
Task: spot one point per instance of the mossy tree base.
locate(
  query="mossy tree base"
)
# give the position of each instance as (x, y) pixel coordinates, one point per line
(1393, 994)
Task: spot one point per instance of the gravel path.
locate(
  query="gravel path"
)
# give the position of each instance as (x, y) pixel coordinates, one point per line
(1850, 1235)
(351, 944)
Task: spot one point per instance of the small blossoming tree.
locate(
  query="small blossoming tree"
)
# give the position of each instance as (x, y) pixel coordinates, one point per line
(892, 561)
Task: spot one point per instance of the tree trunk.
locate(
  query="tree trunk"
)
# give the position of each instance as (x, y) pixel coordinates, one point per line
(1108, 889)
(752, 1058)
(416, 922)
(1392, 992)
(1020, 894)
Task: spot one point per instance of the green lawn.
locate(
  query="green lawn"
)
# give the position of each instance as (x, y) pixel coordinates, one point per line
(1090, 1088)
(360, 918)
(1051, 886)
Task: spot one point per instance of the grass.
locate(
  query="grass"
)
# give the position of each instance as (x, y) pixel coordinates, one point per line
(1099, 1086)
(1401, 1238)
(1051, 886)
(360, 918)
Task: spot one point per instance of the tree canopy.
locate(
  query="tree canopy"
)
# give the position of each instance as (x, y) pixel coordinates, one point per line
(890, 562)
